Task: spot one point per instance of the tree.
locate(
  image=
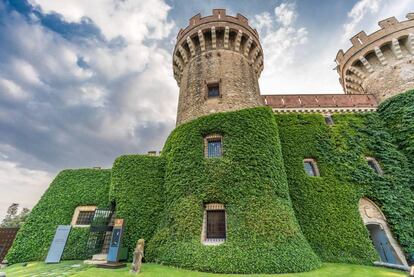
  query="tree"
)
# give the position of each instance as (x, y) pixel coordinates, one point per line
(14, 219)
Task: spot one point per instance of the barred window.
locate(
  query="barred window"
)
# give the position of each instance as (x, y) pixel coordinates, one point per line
(373, 163)
(213, 146)
(310, 167)
(85, 217)
(213, 90)
(216, 224)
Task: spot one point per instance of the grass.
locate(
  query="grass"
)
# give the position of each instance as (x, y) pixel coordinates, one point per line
(78, 269)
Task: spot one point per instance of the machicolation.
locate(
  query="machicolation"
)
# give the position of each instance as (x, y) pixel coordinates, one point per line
(380, 63)
(222, 50)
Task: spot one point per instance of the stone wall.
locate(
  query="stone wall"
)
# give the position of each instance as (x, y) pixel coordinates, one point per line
(217, 49)
(381, 63)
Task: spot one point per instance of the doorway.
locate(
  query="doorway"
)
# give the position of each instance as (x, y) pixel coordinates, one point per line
(382, 244)
(376, 223)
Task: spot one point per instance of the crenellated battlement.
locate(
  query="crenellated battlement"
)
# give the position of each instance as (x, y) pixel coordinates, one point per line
(218, 31)
(372, 55)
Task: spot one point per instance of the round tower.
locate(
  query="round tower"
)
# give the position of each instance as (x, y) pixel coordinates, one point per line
(381, 63)
(217, 62)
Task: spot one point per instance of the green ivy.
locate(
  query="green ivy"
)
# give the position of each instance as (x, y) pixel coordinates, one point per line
(137, 188)
(71, 188)
(327, 206)
(76, 245)
(278, 218)
(263, 235)
(398, 115)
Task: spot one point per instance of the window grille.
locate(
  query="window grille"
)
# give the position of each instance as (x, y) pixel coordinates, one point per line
(310, 167)
(85, 217)
(213, 90)
(214, 148)
(216, 224)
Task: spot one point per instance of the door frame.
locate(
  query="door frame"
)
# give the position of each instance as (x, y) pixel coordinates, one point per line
(372, 214)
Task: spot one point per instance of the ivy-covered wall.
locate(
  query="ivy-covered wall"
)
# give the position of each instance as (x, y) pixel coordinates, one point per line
(137, 188)
(327, 206)
(71, 188)
(263, 235)
(398, 115)
(278, 218)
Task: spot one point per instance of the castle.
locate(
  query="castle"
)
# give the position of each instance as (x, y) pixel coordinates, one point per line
(256, 184)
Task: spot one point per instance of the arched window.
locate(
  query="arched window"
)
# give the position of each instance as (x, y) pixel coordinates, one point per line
(213, 146)
(373, 163)
(214, 224)
(310, 167)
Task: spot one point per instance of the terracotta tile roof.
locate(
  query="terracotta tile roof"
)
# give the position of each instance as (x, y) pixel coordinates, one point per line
(321, 101)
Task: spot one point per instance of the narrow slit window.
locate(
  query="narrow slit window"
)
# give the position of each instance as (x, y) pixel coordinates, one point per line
(213, 90)
(216, 224)
(310, 167)
(373, 163)
(329, 120)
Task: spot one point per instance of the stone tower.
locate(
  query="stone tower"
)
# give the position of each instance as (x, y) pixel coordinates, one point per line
(381, 63)
(217, 62)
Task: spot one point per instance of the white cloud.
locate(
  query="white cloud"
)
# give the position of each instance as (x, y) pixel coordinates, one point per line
(286, 13)
(360, 10)
(12, 90)
(121, 99)
(131, 19)
(20, 185)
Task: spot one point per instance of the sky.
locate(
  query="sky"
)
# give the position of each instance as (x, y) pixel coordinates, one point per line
(83, 82)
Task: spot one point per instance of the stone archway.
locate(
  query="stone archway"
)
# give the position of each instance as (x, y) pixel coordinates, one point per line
(380, 233)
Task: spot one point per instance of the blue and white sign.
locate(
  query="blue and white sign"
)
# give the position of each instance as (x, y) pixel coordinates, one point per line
(58, 244)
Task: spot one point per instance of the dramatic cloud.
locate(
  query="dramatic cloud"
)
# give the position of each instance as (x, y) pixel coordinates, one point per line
(75, 99)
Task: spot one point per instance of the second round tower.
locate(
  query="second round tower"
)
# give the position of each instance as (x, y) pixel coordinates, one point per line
(217, 62)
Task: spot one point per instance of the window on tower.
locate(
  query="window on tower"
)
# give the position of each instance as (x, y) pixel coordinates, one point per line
(213, 90)
(213, 146)
(214, 224)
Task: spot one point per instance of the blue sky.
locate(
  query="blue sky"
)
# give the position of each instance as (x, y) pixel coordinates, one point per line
(82, 82)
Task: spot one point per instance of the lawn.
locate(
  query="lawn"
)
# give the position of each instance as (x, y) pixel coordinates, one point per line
(77, 269)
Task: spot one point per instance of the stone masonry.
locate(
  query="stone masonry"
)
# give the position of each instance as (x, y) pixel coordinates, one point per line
(382, 63)
(222, 50)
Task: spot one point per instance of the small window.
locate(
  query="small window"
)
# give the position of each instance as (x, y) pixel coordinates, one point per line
(214, 224)
(85, 217)
(373, 163)
(310, 167)
(329, 120)
(213, 146)
(213, 90)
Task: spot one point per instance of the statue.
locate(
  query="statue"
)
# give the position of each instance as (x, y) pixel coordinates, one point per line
(138, 255)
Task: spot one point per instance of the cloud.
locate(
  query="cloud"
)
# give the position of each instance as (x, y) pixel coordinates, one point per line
(132, 20)
(361, 9)
(12, 90)
(81, 82)
(286, 13)
(20, 185)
